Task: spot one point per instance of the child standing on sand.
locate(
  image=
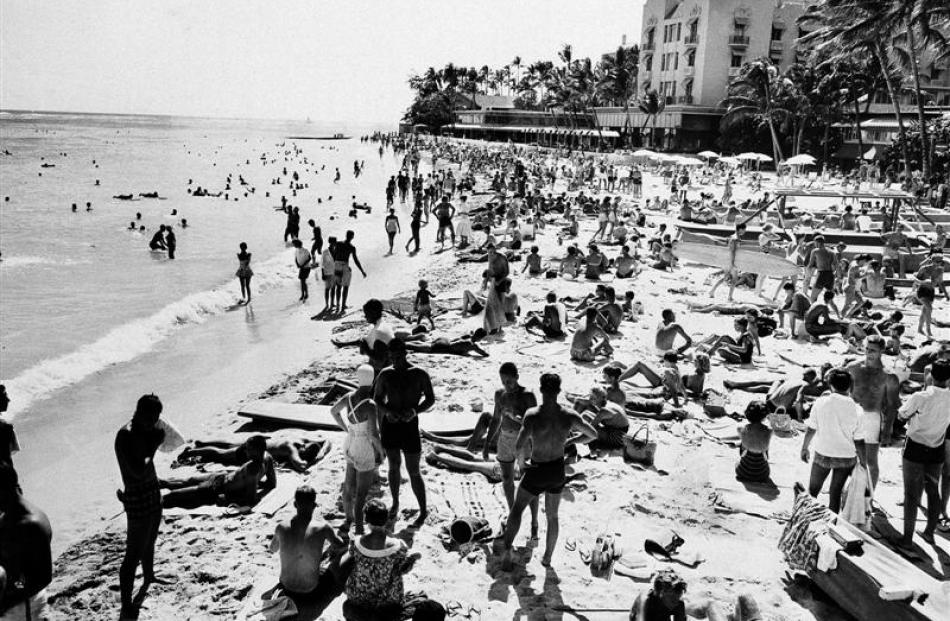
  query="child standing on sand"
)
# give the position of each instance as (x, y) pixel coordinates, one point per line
(422, 306)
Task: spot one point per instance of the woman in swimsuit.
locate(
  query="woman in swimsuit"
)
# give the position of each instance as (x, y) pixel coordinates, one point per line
(356, 414)
(244, 273)
(754, 449)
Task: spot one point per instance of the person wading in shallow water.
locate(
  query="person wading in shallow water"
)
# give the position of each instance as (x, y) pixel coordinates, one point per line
(135, 446)
(401, 393)
(549, 427)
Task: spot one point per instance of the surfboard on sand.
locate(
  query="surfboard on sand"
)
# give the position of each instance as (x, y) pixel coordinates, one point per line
(313, 416)
(748, 259)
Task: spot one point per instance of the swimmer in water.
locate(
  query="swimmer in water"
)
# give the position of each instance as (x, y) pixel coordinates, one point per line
(138, 215)
(131, 226)
(184, 223)
(158, 239)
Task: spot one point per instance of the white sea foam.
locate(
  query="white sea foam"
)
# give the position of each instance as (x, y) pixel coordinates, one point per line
(138, 337)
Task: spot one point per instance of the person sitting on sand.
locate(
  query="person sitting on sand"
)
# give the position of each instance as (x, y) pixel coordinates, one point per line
(596, 263)
(796, 305)
(357, 415)
(626, 265)
(608, 418)
(532, 263)
(668, 378)
(666, 333)
(585, 347)
(26, 560)
(736, 350)
(238, 487)
(665, 602)
(666, 260)
(301, 542)
(818, 321)
(614, 392)
(298, 455)
(552, 320)
(609, 313)
(374, 588)
(571, 264)
(548, 428)
(754, 439)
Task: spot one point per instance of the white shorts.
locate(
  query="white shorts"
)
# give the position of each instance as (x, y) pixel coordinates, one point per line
(869, 427)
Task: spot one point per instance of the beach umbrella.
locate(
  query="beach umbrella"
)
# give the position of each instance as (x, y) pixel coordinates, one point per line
(689, 161)
(801, 160)
(871, 154)
(750, 157)
(731, 161)
(762, 157)
(709, 155)
(644, 153)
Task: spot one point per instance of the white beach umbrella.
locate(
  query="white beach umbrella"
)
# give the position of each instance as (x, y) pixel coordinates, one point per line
(751, 157)
(690, 161)
(802, 159)
(762, 157)
(731, 161)
(644, 153)
(709, 155)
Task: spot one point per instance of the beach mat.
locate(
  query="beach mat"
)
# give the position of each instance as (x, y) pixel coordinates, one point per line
(301, 415)
(470, 496)
(556, 350)
(724, 429)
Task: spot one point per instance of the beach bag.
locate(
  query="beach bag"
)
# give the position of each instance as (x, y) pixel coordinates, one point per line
(640, 451)
(780, 421)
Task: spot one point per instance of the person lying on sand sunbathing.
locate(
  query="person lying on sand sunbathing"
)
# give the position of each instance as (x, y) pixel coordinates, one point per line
(237, 487)
(457, 458)
(674, 386)
(552, 320)
(461, 346)
(665, 602)
(298, 455)
(722, 309)
(789, 393)
(590, 341)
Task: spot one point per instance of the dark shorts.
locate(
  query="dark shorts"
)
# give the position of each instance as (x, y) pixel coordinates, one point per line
(400, 436)
(143, 501)
(545, 477)
(304, 273)
(445, 223)
(825, 279)
(923, 454)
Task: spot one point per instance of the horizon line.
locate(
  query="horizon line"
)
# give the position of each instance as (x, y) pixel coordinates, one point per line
(191, 116)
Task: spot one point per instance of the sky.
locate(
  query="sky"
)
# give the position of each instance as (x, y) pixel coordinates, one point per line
(320, 59)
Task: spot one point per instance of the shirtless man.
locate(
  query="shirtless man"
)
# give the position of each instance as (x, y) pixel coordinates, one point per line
(892, 249)
(301, 544)
(135, 446)
(236, 487)
(512, 401)
(443, 213)
(822, 261)
(375, 344)
(731, 273)
(878, 394)
(666, 334)
(549, 428)
(401, 393)
(342, 273)
(498, 268)
(590, 340)
(26, 562)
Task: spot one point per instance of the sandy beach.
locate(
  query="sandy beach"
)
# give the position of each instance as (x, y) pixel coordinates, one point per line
(219, 559)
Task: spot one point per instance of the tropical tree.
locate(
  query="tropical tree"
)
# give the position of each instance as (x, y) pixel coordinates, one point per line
(516, 63)
(651, 104)
(617, 80)
(753, 94)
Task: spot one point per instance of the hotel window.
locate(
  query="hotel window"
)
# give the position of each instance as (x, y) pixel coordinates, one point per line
(777, 33)
(935, 73)
(676, 61)
(679, 31)
(740, 29)
(648, 62)
(691, 59)
(650, 35)
(736, 61)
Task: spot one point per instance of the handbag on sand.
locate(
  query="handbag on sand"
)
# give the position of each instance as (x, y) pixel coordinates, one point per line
(640, 450)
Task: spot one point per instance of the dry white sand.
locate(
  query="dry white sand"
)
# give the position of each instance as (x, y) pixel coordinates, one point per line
(221, 561)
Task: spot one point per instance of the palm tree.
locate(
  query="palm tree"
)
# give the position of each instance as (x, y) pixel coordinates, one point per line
(516, 63)
(753, 95)
(651, 104)
(858, 27)
(618, 80)
(848, 80)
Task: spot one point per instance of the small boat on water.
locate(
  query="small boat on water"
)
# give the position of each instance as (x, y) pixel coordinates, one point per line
(333, 137)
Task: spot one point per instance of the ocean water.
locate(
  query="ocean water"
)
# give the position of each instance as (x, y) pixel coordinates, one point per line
(79, 291)
(90, 319)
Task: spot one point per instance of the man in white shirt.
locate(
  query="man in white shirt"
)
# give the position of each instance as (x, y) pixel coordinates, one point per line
(928, 416)
(833, 424)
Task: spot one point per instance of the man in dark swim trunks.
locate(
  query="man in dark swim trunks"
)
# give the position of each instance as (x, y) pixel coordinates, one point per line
(549, 427)
(402, 392)
(444, 212)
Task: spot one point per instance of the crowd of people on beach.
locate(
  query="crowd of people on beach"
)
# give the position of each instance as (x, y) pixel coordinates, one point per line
(489, 202)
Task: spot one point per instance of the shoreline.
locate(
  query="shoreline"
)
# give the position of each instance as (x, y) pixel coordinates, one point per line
(221, 560)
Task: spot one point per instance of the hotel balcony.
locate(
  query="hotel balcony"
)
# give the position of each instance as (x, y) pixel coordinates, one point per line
(684, 99)
(738, 41)
(688, 71)
(734, 71)
(649, 46)
(691, 40)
